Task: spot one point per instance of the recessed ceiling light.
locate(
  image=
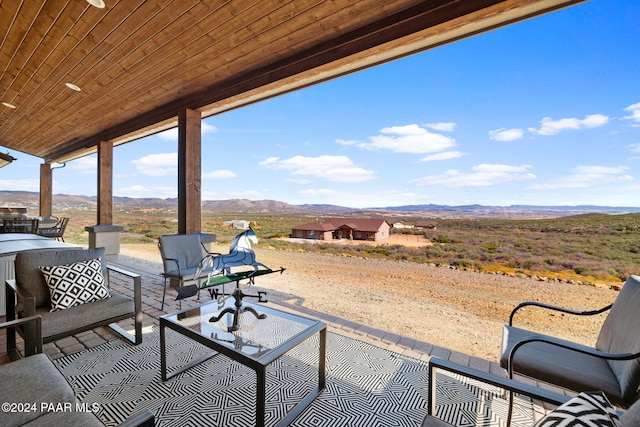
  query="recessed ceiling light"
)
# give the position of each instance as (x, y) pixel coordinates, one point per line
(97, 3)
(72, 86)
(6, 104)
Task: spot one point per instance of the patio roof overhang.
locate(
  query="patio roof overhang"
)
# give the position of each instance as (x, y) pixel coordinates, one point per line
(138, 64)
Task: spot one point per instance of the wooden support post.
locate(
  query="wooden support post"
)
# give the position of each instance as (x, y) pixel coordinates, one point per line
(105, 183)
(46, 190)
(189, 172)
(105, 234)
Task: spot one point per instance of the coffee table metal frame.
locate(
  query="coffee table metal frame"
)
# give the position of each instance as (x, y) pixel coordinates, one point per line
(257, 363)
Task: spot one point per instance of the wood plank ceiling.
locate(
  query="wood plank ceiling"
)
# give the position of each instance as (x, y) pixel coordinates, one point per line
(139, 62)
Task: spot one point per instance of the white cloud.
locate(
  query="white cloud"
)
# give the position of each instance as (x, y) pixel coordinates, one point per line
(553, 127)
(504, 134)
(635, 113)
(269, 161)
(331, 168)
(172, 134)
(442, 126)
(160, 164)
(147, 191)
(84, 165)
(347, 142)
(206, 128)
(587, 176)
(299, 181)
(20, 184)
(482, 176)
(219, 174)
(411, 139)
(445, 155)
(635, 148)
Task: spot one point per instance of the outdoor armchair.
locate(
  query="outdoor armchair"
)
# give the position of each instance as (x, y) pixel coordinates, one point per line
(630, 418)
(77, 300)
(182, 254)
(612, 365)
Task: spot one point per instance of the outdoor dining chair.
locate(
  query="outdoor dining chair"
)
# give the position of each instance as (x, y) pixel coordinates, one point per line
(20, 225)
(55, 232)
(612, 365)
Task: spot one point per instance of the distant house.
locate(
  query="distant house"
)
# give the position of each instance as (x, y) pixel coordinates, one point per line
(239, 224)
(401, 224)
(343, 228)
(428, 225)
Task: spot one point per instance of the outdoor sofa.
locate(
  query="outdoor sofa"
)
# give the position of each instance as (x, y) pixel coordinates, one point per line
(35, 393)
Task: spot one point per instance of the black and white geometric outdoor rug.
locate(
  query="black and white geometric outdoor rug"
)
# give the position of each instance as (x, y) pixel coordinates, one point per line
(366, 386)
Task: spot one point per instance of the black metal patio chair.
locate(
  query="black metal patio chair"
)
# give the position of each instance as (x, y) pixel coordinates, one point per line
(612, 365)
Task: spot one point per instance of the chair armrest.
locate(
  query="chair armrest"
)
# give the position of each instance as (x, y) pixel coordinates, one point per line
(137, 284)
(143, 418)
(24, 296)
(207, 250)
(566, 345)
(510, 385)
(122, 271)
(12, 323)
(137, 298)
(37, 331)
(556, 308)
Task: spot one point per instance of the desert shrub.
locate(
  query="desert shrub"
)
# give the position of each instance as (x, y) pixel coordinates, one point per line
(591, 246)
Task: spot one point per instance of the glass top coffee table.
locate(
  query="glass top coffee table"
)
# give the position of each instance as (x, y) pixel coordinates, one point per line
(255, 344)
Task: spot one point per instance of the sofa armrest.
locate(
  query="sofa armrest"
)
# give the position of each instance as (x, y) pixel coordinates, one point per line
(143, 418)
(137, 298)
(34, 322)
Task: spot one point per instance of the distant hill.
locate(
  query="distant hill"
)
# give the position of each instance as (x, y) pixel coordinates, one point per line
(63, 202)
(508, 211)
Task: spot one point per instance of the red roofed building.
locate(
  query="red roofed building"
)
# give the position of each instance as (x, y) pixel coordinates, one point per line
(372, 229)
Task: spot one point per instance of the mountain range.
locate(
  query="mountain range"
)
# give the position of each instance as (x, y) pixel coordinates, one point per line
(64, 202)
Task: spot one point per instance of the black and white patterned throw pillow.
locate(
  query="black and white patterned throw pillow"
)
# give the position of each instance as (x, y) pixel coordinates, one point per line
(586, 410)
(74, 284)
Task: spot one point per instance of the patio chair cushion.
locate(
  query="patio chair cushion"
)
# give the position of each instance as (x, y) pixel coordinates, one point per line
(631, 418)
(28, 274)
(75, 284)
(560, 366)
(57, 323)
(186, 249)
(619, 335)
(586, 409)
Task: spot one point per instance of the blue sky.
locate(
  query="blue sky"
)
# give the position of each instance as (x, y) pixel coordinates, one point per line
(544, 112)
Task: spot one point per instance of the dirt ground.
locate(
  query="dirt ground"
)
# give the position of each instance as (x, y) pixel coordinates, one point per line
(459, 310)
(394, 239)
